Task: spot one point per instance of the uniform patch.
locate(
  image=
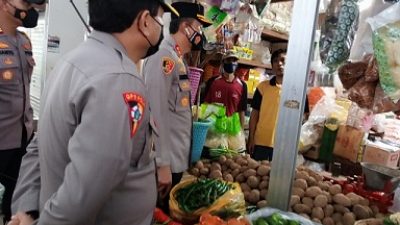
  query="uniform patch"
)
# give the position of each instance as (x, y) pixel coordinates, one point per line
(27, 46)
(168, 65)
(7, 75)
(184, 85)
(136, 105)
(4, 45)
(185, 101)
(182, 68)
(8, 61)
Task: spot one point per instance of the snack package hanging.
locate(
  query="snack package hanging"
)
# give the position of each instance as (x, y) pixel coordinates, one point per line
(232, 201)
(382, 103)
(363, 93)
(386, 42)
(350, 73)
(337, 33)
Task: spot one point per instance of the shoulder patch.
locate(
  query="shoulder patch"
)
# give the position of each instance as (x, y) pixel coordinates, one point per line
(168, 65)
(136, 106)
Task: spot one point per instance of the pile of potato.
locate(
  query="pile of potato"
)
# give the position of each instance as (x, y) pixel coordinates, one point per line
(312, 197)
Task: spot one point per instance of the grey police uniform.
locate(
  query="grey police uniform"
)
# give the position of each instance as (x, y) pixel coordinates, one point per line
(169, 96)
(95, 145)
(16, 66)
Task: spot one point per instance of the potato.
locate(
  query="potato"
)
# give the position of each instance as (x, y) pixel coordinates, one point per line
(339, 223)
(379, 216)
(263, 184)
(204, 171)
(215, 166)
(263, 170)
(254, 196)
(321, 201)
(265, 162)
(243, 168)
(361, 212)
(246, 195)
(342, 200)
(206, 161)
(375, 209)
(323, 185)
(199, 165)
(250, 172)
(328, 210)
(234, 166)
(300, 183)
(311, 181)
(229, 162)
(305, 215)
(354, 198)
(235, 172)
(328, 221)
(364, 202)
(294, 199)
(298, 191)
(245, 187)
(262, 204)
(341, 209)
(301, 175)
(313, 191)
(302, 208)
(252, 164)
(228, 177)
(263, 194)
(370, 222)
(327, 195)
(337, 217)
(222, 159)
(318, 177)
(308, 201)
(265, 178)
(335, 189)
(317, 220)
(224, 167)
(253, 181)
(240, 178)
(349, 219)
(195, 171)
(215, 174)
(318, 213)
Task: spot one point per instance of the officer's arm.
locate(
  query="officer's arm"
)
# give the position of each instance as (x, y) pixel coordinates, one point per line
(26, 194)
(99, 150)
(159, 82)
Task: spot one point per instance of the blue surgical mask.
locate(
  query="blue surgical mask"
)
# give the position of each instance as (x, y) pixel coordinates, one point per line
(230, 67)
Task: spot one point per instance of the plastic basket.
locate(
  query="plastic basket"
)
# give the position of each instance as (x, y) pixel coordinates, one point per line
(194, 77)
(198, 139)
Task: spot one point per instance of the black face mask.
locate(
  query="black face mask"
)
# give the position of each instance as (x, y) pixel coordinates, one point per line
(29, 18)
(196, 40)
(154, 48)
(230, 67)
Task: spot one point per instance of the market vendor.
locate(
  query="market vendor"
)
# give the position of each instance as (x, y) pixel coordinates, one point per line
(92, 162)
(166, 75)
(228, 89)
(265, 109)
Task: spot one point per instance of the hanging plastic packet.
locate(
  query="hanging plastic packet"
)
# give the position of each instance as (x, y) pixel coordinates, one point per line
(382, 103)
(363, 93)
(386, 41)
(351, 72)
(214, 2)
(229, 6)
(337, 33)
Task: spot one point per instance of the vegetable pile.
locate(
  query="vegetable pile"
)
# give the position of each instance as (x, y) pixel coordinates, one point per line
(202, 193)
(275, 219)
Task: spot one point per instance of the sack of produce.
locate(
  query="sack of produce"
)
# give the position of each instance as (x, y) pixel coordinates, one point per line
(350, 73)
(386, 43)
(193, 197)
(337, 33)
(363, 93)
(271, 216)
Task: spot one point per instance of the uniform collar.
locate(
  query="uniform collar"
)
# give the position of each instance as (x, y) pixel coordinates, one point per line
(110, 41)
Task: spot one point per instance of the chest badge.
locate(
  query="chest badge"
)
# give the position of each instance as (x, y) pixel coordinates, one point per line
(185, 101)
(8, 61)
(168, 65)
(8, 75)
(4, 45)
(136, 106)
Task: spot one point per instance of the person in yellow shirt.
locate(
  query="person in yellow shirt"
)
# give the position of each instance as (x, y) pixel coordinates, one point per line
(265, 108)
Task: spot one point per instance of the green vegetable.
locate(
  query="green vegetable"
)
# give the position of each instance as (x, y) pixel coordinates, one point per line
(261, 221)
(275, 219)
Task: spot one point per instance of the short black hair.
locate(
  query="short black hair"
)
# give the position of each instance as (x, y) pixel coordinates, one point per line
(276, 54)
(175, 23)
(115, 16)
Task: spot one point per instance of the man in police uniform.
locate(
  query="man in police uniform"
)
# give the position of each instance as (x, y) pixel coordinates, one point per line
(93, 152)
(167, 79)
(16, 115)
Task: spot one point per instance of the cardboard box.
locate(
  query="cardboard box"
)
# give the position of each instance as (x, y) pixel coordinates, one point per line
(348, 143)
(382, 154)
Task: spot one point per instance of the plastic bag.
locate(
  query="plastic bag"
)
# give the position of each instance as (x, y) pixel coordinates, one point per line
(363, 93)
(382, 103)
(386, 43)
(337, 33)
(237, 142)
(267, 211)
(360, 118)
(216, 140)
(232, 201)
(372, 73)
(350, 73)
(315, 94)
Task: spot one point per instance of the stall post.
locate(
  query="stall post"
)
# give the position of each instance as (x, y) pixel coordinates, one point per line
(300, 48)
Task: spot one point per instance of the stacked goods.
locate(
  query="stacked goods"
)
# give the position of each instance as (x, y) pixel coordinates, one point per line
(312, 196)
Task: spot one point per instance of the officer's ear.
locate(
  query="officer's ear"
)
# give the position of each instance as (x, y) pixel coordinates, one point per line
(143, 22)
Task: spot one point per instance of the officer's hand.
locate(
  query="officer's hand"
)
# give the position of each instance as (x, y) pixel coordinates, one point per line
(164, 180)
(250, 146)
(21, 219)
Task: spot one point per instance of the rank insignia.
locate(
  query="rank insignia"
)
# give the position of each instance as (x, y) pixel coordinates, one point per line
(168, 65)
(136, 106)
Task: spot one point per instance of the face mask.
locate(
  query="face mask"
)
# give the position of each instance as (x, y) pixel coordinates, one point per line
(230, 67)
(196, 39)
(28, 18)
(154, 48)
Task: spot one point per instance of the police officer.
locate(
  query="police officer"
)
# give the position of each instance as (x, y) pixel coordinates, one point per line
(167, 79)
(94, 146)
(16, 115)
